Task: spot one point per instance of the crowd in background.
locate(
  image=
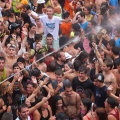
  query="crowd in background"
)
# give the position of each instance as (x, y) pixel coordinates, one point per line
(59, 60)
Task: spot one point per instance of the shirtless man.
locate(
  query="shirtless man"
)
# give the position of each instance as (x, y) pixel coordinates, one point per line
(116, 72)
(11, 58)
(4, 72)
(110, 78)
(71, 100)
(39, 26)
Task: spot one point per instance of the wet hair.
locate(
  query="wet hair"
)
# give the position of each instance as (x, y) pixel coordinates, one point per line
(55, 101)
(76, 27)
(78, 9)
(39, 57)
(12, 11)
(87, 103)
(112, 102)
(31, 25)
(58, 55)
(21, 59)
(111, 42)
(82, 56)
(77, 64)
(38, 36)
(63, 40)
(22, 106)
(49, 35)
(101, 114)
(66, 15)
(2, 58)
(67, 84)
(82, 14)
(52, 67)
(59, 72)
(116, 50)
(35, 72)
(15, 65)
(83, 68)
(108, 62)
(29, 82)
(5, 13)
(70, 65)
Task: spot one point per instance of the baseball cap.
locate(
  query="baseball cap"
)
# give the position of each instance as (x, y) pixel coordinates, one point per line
(99, 77)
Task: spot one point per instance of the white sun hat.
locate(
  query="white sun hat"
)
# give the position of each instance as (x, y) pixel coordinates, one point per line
(40, 1)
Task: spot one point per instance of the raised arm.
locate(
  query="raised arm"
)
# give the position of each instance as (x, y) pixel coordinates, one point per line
(22, 90)
(97, 54)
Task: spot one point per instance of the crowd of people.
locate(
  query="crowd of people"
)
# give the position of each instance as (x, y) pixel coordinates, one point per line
(59, 60)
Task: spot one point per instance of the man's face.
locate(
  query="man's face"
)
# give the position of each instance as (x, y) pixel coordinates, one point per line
(104, 67)
(38, 23)
(62, 58)
(24, 113)
(2, 64)
(49, 11)
(16, 69)
(82, 75)
(96, 82)
(79, 18)
(49, 40)
(68, 91)
(59, 78)
(12, 51)
(102, 55)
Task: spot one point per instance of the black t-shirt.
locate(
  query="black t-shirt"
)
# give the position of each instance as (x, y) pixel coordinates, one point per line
(88, 84)
(100, 95)
(58, 66)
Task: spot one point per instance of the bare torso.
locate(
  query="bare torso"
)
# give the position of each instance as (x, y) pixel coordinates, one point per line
(110, 79)
(117, 75)
(70, 103)
(10, 61)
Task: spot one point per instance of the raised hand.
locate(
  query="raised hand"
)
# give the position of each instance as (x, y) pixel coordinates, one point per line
(20, 78)
(34, 80)
(60, 84)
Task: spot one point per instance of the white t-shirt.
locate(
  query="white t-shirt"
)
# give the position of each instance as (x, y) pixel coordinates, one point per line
(51, 25)
(26, 119)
